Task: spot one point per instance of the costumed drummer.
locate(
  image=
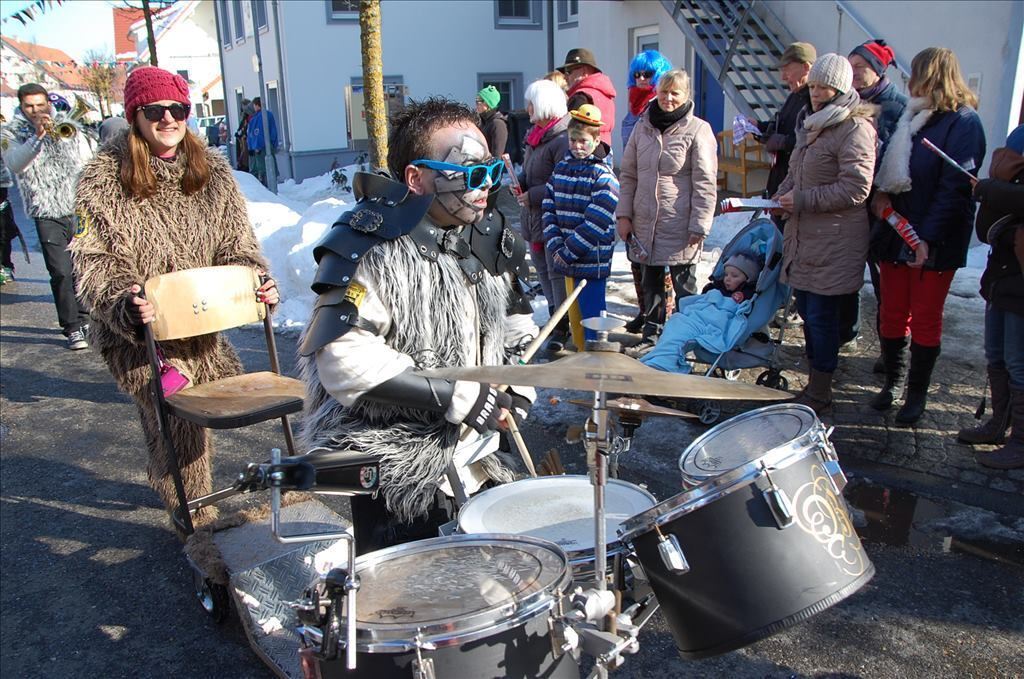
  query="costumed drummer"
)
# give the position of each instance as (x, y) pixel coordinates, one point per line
(416, 276)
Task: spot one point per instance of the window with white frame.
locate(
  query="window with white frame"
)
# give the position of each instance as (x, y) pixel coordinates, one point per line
(342, 11)
(261, 13)
(509, 86)
(236, 10)
(224, 21)
(568, 13)
(645, 38)
(517, 14)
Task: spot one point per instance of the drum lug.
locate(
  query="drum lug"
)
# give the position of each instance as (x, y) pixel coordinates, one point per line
(778, 502)
(564, 639)
(422, 668)
(835, 475)
(671, 553)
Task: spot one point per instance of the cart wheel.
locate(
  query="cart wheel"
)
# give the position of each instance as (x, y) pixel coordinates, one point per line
(212, 597)
(773, 379)
(709, 412)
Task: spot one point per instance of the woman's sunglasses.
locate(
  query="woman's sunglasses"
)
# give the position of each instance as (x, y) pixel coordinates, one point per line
(643, 74)
(476, 175)
(155, 112)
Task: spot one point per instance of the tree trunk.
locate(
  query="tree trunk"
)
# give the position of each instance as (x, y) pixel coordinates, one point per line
(150, 38)
(373, 82)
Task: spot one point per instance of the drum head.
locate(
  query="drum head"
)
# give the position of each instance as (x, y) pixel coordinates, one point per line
(744, 439)
(555, 508)
(454, 585)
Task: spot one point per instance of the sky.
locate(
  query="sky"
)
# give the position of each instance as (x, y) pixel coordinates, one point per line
(76, 27)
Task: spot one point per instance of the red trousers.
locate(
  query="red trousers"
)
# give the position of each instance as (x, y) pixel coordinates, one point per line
(912, 302)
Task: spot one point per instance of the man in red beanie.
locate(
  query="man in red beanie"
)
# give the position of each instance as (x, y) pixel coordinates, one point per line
(869, 62)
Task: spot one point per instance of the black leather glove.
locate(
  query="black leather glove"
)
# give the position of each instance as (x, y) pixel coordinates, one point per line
(775, 143)
(483, 415)
(520, 406)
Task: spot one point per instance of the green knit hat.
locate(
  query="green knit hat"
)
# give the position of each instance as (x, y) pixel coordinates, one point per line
(490, 96)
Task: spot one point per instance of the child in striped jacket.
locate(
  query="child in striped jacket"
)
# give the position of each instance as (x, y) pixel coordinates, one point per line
(579, 216)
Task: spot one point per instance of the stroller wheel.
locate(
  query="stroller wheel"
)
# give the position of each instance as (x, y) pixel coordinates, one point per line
(773, 379)
(731, 375)
(212, 597)
(709, 412)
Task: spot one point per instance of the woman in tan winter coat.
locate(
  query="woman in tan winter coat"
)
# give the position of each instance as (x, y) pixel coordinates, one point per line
(826, 241)
(668, 189)
(153, 201)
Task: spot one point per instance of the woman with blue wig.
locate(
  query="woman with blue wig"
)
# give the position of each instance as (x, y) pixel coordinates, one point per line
(644, 72)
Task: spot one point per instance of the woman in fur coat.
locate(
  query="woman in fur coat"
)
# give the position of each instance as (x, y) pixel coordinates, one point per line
(156, 200)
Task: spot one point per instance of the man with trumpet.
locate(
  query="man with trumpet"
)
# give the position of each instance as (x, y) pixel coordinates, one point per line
(46, 151)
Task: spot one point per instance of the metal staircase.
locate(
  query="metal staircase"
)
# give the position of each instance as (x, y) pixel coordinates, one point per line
(740, 42)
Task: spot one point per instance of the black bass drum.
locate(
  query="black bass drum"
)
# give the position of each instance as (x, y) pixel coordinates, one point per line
(757, 547)
(466, 606)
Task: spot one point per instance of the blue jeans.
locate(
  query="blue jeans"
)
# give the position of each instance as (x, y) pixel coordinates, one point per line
(1004, 343)
(820, 314)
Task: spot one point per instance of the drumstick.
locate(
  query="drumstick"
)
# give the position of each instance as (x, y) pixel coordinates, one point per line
(942, 154)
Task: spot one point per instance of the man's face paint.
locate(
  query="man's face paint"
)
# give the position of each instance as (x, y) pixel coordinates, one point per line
(450, 187)
(582, 144)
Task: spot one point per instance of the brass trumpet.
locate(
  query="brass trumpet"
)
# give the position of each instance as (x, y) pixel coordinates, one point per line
(67, 128)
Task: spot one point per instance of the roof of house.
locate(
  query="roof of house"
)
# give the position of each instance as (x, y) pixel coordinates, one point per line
(164, 20)
(57, 64)
(210, 85)
(124, 41)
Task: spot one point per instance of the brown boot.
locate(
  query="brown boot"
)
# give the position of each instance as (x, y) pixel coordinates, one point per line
(1010, 456)
(817, 395)
(994, 430)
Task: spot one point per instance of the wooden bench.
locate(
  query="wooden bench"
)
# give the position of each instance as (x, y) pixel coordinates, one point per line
(743, 160)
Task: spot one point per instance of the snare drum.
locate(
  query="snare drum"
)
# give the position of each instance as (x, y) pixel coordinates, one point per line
(764, 543)
(473, 606)
(559, 509)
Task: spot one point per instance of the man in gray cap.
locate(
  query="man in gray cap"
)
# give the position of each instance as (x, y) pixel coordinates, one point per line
(779, 133)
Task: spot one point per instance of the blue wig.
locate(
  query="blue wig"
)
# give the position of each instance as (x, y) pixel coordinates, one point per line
(651, 60)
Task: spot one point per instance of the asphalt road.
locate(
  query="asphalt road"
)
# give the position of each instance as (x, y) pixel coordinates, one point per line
(93, 582)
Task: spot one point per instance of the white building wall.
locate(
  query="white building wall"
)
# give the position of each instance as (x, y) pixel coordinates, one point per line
(191, 45)
(986, 36)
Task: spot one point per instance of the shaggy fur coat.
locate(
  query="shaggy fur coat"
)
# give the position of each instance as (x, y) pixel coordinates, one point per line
(47, 182)
(430, 303)
(124, 240)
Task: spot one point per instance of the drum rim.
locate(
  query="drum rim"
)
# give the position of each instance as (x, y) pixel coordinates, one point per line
(398, 638)
(577, 557)
(719, 486)
(733, 421)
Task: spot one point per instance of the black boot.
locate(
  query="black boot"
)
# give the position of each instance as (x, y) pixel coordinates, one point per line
(559, 336)
(994, 430)
(1010, 456)
(895, 361)
(919, 378)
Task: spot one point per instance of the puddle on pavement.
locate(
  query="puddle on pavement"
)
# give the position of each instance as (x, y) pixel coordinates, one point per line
(900, 518)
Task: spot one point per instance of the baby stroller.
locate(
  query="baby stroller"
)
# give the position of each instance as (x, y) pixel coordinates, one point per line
(753, 347)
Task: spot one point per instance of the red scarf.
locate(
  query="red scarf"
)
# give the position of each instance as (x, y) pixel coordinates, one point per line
(639, 97)
(536, 133)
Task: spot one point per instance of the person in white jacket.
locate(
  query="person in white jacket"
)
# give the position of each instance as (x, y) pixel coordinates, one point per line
(416, 276)
(46, 166)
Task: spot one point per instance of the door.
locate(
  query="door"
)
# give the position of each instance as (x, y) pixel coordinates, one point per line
(708, 97)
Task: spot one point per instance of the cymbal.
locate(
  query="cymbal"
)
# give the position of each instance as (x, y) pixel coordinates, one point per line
(636, 406)
(609, 372)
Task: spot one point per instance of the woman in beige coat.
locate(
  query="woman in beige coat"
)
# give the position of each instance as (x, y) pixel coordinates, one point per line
(668, 189)
(826, 241)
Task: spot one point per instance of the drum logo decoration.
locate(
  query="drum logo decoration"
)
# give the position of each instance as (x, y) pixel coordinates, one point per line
(367, 477)
(397, 613)
(821, 514)
(609, 377)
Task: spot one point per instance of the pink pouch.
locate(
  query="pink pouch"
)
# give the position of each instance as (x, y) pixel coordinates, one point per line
(171, 379)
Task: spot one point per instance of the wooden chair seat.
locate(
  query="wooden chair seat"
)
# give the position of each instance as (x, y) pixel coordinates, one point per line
(238, 401)
(742, 160)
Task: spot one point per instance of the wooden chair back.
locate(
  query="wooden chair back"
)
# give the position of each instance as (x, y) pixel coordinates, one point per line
(195, 302)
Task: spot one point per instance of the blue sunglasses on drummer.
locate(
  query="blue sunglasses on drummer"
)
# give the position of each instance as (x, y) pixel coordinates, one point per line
(476, 175)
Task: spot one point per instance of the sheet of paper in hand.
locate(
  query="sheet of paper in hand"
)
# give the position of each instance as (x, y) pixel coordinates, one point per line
(740, 204)
(741, 127)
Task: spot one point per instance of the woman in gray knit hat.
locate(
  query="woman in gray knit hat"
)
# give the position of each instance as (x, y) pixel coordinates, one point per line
(826, 238)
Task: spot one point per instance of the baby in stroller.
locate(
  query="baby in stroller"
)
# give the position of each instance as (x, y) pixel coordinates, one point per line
(717, 326)
(716, 318)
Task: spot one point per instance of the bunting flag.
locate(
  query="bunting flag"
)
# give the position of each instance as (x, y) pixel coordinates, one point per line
(28, 11)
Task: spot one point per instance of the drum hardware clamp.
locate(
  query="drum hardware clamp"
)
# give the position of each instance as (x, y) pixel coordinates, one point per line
(835, 473)
(344, 584)
(778, 501)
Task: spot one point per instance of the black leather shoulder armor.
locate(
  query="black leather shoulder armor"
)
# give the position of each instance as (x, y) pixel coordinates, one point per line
(500, 250)
(384, 210)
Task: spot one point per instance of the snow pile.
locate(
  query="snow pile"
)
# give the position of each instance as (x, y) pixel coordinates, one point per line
(290, 223)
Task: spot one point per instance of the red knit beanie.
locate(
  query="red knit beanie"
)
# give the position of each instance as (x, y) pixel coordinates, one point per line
(148, 84)
(878, 55)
